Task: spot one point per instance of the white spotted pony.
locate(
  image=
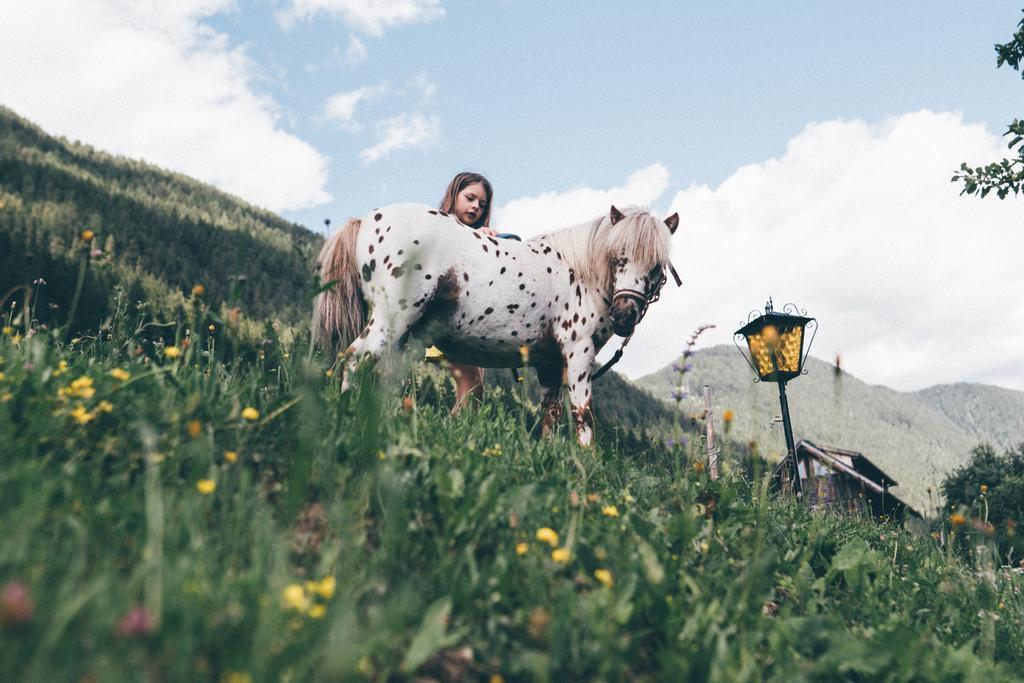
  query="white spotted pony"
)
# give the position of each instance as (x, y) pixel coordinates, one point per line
(555, 299)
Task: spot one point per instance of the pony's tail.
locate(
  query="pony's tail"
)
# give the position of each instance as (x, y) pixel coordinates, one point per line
(339, 312)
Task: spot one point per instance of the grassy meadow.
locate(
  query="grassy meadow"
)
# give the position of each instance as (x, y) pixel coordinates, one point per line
(195, 507)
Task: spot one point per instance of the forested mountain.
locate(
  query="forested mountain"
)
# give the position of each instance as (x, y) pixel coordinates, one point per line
(917, 437)
(160, 233)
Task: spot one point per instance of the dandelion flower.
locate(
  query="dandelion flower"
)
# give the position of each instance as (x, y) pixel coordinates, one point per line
(195, 427)
(610, 511)
(698, 466)
(250, 414)
(81, 415)
(957, 520)
(317, 612)
(548, 535)
(206, 486)
(604, 577)
(87, 235)
(8, 330)
(522, 548)
(325, 587)
(120, 375)
(105, 406)
(231, 456)
(984, 489)
(172, 352)
(212, 328)
(561, 555)
(727, 416)
(198, 290)
(294, 597)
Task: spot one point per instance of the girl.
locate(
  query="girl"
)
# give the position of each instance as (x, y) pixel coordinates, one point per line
(468, 198)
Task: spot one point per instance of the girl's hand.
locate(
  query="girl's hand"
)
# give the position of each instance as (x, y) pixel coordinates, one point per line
(489, 232)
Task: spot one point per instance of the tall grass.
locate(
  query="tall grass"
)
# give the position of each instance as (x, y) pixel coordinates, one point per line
(189, 512)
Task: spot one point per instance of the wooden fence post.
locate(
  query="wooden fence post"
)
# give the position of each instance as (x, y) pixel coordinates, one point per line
(709, 422)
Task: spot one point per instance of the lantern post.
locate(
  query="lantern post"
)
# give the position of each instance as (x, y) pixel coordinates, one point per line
(776, 353)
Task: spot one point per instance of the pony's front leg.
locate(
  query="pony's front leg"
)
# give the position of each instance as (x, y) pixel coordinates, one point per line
(578, 370)
(380, 334)
(550, 379)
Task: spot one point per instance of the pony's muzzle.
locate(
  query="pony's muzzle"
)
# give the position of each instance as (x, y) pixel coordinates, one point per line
(624, 314)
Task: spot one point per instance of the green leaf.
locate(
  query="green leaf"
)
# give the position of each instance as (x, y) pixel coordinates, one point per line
(432, 635)
(652, 567)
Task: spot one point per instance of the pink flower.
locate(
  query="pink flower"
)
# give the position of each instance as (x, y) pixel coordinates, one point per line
(135, 622)
(16, 605)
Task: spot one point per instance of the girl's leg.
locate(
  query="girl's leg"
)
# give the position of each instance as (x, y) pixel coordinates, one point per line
(469, 383)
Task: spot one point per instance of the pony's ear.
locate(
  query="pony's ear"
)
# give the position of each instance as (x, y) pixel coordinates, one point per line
(672, 222)
(615, 215)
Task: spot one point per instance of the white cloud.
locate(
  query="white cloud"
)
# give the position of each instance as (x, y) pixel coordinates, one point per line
(528, 216)
(150, 80)
(912, 284)
(341, 107)
(356, 52)
(426, 85)
(368, 16)
(404, 131)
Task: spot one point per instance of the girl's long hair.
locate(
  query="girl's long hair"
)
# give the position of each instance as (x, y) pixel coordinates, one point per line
(459, 183)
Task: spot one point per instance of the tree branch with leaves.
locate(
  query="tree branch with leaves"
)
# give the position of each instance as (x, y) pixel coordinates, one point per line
(1006, 176)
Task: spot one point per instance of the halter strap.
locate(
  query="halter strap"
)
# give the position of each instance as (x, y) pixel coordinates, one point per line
(644, 302)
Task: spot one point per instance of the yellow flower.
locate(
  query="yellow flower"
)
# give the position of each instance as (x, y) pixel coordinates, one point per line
(317, 612)
(231, 456)
(237, 677)
(957, 520)
(212, 328)
(1, 376)
(250, 414)
(325, 587)
(698, 466)
(198, 290)
(206, 486)
(497, 678)
(82, 387)
(984, 489)
(294, 597)
(172, 352)
(62, 367)
(548, 535)
(81, 415)
(604, 577)
(8, 330)
(522, 548)
(195, 427)
(105, 406)
(87, 235)
(560, 555)
(727, 416)
(524, 354)
(119, 374)
(610, 511)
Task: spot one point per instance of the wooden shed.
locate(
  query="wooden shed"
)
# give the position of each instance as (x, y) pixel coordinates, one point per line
(837, 479)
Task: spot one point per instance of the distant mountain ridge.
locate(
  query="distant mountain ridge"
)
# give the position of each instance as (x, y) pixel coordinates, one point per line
(916, 437)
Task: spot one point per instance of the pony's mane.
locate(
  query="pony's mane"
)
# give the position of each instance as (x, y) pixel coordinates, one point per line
(590, 247)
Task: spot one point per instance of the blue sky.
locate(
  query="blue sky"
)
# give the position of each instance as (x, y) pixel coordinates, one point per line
(546, 96)
(821, 135)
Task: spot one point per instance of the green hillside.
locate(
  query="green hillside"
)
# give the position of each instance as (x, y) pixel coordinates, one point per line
(160, 234)
(917, 437)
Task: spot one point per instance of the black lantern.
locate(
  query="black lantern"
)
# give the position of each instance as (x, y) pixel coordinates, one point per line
(775, 351)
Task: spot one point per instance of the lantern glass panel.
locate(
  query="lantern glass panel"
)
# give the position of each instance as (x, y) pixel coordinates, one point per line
(776, 351)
